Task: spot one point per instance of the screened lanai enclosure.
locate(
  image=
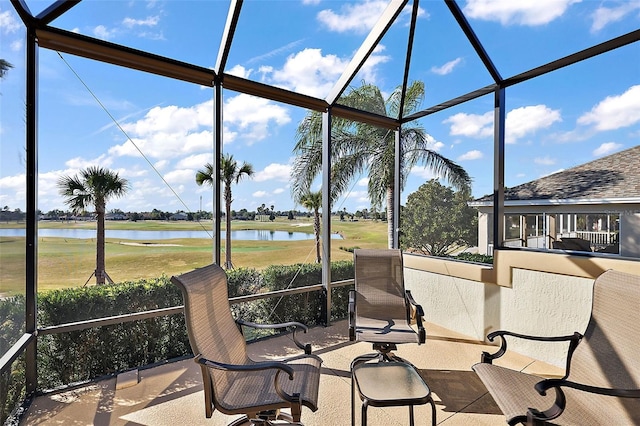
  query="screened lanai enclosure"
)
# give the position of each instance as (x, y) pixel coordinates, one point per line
(503, 92)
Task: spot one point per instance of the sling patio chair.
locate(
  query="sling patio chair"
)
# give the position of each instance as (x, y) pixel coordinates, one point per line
(233, 382)
(602, 378)
(381, 311)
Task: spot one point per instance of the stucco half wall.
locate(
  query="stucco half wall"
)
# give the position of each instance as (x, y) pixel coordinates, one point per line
(524, 293)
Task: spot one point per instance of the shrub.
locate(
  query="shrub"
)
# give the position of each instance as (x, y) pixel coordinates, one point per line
(77, 356)
(475, 257)
(108, 349)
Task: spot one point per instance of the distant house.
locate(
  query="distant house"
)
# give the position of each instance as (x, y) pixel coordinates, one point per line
(591, 207)
(115, 216)
(178, 216)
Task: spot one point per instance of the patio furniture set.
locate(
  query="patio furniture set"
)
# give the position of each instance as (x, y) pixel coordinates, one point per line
(601, 384)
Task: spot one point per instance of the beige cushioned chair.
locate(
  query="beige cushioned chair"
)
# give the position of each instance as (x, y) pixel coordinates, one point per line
(233, 382)
(380, 309)
(602, 381)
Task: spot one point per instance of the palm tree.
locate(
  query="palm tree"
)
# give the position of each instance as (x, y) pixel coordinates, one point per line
(313, 201)
(230, 173)
(358, 147)
(94, 186)
(4, 67)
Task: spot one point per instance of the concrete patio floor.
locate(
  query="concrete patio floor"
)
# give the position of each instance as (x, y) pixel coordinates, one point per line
(171, 394)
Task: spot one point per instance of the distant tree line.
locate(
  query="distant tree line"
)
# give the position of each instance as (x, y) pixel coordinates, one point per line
(8, 214)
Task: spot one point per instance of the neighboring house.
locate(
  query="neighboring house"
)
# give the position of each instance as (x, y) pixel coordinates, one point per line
(591, 207)
(115, 216)
(178, 216)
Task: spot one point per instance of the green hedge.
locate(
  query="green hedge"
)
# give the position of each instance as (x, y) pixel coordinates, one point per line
(82, 355)
(78, 356)
(12, 381)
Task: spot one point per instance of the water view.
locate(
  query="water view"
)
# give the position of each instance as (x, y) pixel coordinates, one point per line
(250, 235)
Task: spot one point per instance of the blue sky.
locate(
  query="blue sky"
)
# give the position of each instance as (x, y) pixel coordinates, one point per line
(555, 122)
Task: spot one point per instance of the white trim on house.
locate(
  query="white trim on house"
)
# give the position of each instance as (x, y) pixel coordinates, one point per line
(558, 202)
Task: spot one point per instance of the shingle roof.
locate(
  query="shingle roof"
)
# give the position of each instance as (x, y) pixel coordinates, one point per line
(614, 176)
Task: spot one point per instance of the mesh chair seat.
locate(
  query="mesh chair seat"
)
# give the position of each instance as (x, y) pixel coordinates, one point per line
(380, 308)
(602, 380)
(234, 383)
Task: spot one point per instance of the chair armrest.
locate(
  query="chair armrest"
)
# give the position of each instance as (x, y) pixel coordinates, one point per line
(547, 384)
(574, 339)
(419, 316)
(258, 366)
(295, 325)
(559, 404)
(352, 315)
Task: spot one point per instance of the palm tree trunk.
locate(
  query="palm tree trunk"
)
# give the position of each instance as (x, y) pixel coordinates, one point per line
(100, 262)
(390, 216)
(316, 230)
(227, 247)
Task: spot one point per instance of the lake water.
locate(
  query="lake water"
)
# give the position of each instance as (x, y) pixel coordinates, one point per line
(250, 235)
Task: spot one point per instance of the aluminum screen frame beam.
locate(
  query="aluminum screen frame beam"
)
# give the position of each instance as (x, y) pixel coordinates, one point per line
(103, 51)
(366, 48)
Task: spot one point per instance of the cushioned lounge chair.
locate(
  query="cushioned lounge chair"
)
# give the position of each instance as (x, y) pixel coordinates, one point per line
(602, 381)
(380, 309)
(233, 382)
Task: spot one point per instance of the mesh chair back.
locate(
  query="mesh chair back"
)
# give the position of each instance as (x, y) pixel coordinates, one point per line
(212, 330)
(379, 285)
(608, 354)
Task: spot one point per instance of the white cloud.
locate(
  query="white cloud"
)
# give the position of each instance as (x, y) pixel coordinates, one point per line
(544, 161)
(150, 21)
(523, 121)
(519, 12)
(357, 17)
(278, 191)
(169, 131)
(274, 171)
(446, 68)
(363, 182)
(8, 23)
(196, 161)
(471, 155)
(78, 163)
(308, 72)
(159, 165)
(606, 148)
(311, 2)
(615, 112)
(12, 190)
(369, 70)
(471, 125)
(16, 45)
(260, 194)
(104, 33)
(250, 117)
(604, 16)
(424, 172)
(433, 144)
(239, 71)
(180, 176)
(519, 122)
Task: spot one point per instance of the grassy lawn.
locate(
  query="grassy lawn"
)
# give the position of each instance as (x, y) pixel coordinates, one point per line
(70, 262)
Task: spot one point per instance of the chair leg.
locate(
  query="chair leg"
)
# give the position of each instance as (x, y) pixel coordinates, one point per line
(411, 419)
(433, 412)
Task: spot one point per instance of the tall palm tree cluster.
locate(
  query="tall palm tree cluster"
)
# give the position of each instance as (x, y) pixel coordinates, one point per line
(358, 148)
(230, 173)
